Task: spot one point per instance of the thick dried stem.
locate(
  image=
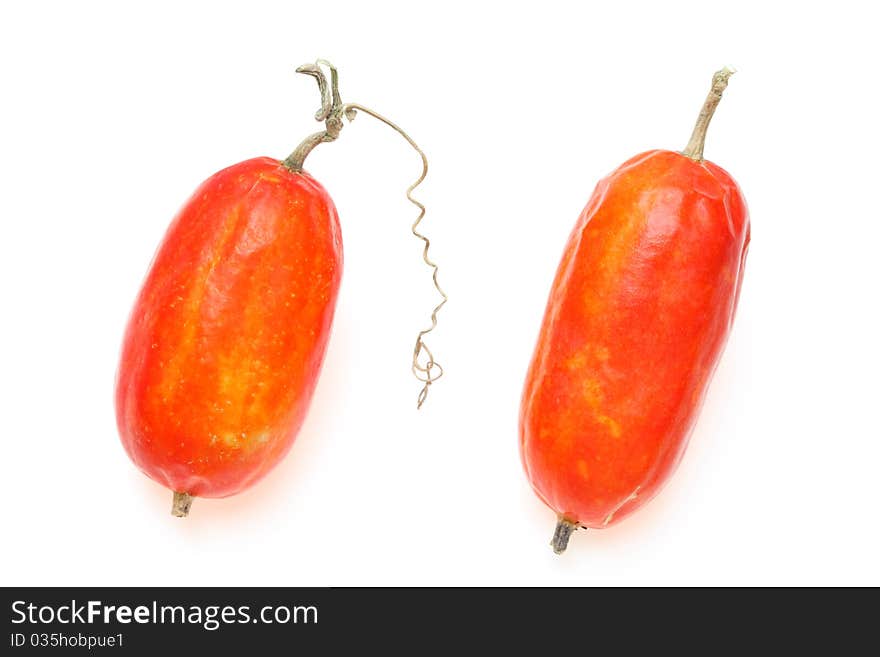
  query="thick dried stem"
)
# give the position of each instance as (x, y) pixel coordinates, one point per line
(181, 504)
(331, 113)
(564, 530)
(694, 149)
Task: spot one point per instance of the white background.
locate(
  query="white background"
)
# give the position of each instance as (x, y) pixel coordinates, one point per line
(111, 114)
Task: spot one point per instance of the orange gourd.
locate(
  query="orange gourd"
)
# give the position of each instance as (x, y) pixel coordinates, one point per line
(227, 336)
(639, 312)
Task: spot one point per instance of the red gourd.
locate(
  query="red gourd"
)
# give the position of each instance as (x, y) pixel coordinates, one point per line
(639, 312)
(227, 336)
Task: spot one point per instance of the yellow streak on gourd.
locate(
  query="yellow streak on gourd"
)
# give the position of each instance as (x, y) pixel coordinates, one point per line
(612, 425)
(583, 469)
(191, 309)
(231, 439)
(591, 389)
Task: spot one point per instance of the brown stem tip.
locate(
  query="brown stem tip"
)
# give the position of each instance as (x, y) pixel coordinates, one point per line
(331, 113)
(694, 149)
(181, 504)
(564, 530)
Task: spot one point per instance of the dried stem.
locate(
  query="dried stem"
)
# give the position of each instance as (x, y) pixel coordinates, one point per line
(180, 504)
(694, 149)
(564, 530)
(331, 112)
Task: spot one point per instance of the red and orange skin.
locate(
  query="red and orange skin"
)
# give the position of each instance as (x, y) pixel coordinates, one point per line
(226, 339)
(639, 312)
